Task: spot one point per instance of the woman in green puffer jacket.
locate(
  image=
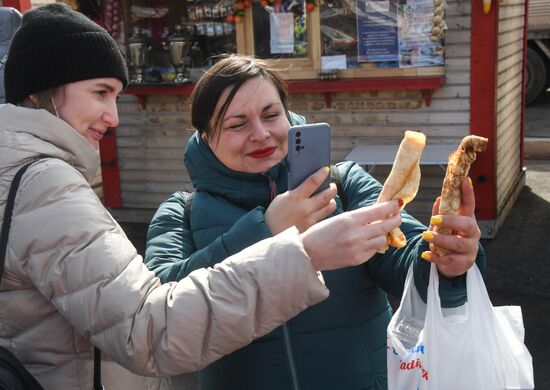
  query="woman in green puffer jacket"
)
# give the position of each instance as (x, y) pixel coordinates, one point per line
(236, 161)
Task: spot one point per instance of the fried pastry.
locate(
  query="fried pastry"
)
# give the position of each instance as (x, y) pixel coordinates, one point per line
(457, 170)
(403, 180)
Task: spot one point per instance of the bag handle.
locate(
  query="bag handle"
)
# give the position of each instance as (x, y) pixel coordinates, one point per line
(97, 370)
(8, 211)
(476, 292)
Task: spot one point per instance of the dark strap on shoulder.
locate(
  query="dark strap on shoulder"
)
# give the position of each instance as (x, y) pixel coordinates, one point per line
(13, 375)
(8, 211)
(97, 370)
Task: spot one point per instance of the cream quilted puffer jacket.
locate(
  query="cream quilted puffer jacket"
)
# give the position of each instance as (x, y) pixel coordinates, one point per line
(72, 278)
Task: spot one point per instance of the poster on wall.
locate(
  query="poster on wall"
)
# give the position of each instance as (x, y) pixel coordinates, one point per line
(415, 28)
(377, 35)
(281, 28)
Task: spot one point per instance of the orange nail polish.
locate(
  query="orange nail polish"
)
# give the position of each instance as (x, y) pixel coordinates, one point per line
(470, 181)
(426, 255)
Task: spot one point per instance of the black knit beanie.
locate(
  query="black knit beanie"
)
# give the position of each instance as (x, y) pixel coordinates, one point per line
(56, 45)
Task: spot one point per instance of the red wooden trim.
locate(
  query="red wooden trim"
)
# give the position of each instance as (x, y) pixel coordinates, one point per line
(20, 5)
(427, 94)
(483, 78)
(109, 170)
(313, 86)
(522, 126)
(425, 84)
(328, 99)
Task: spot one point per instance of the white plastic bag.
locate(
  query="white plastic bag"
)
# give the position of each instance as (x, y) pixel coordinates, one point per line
(474, 346)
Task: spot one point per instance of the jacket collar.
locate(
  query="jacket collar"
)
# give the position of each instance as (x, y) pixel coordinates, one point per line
(246, 189)
(28, 134)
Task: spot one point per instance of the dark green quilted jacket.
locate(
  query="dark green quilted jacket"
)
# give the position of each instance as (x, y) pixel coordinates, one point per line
(339, 344)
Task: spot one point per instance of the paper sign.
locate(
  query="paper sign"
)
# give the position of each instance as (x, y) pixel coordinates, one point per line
(281, 27)
(333, 62)
(377, 38)
(415, 28)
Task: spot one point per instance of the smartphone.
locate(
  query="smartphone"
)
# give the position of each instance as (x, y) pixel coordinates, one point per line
(308, 151)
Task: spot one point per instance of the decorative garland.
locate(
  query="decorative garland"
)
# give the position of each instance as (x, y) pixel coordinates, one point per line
(113, 18)
(237, 16)
(438, 21)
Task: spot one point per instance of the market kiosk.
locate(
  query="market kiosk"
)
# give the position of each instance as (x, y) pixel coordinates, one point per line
(371, 69)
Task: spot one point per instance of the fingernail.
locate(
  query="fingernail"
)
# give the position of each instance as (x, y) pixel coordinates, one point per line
(427, 235)
(401, 202)
(470, 181)
(327, 169)
(426, 255)
(436, 220)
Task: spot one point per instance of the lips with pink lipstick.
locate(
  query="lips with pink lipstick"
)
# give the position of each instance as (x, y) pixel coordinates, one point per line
(262, 153)
(97, 134)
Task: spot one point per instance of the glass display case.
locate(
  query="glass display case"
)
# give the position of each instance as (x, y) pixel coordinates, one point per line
(347, 38)
(172, 42)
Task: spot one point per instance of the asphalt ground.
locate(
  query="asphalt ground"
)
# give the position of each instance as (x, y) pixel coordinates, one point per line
(519, 265)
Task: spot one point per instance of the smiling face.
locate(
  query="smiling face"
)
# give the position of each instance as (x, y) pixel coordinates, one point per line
(252, 135)
(89, 106)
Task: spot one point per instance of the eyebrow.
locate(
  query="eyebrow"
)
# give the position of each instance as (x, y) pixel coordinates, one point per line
(108, 87)
(240, 116)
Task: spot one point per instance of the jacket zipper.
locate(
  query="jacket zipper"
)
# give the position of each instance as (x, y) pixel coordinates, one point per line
(286, 331)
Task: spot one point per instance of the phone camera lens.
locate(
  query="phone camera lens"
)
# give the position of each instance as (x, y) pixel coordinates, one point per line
(298, 134)
(298, 147)
(298, 141)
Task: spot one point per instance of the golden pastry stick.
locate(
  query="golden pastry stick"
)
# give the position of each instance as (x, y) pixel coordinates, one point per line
(403, 180)
(457, 170)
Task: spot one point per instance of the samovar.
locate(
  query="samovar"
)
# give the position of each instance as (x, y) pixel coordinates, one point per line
(137, 43)
(179, 45)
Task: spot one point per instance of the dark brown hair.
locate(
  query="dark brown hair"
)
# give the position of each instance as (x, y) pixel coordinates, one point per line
(231, 71)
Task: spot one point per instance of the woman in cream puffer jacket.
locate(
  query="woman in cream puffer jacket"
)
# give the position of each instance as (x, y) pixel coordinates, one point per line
(71, 277)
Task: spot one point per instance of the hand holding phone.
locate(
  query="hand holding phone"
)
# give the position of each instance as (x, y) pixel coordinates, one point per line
(299, 207)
